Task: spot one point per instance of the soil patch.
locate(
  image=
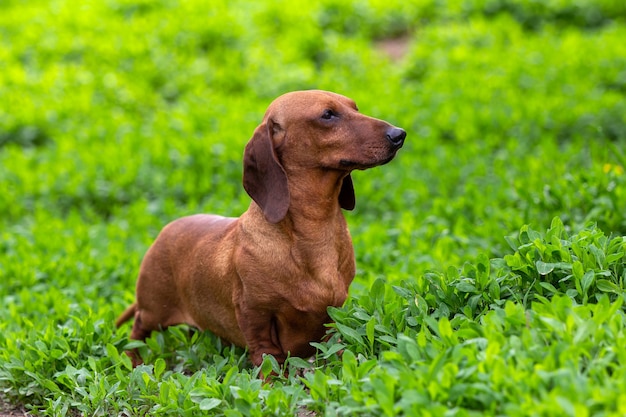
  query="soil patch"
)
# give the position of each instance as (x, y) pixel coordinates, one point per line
(10, 410)
(394, 48)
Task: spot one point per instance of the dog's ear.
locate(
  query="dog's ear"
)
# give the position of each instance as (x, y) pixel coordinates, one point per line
(264, 178)
(346, 194)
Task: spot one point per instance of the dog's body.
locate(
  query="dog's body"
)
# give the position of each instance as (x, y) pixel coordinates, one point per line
(265, 280)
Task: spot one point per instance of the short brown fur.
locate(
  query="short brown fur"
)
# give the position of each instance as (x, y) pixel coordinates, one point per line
(265, 280)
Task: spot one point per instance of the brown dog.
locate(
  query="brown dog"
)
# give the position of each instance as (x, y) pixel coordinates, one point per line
(265, 280)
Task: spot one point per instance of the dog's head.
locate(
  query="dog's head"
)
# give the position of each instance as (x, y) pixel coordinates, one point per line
(314, 130)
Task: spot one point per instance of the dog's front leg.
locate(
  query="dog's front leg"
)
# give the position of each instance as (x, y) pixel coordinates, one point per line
(259, 327)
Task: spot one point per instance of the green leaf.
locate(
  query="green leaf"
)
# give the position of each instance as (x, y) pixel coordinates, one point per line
(112, 353)
(403, 292)
(349, 367)
(512, 241)
(465, 286)
(544, 268)
(299, 363)
(49, 384)
(93, 364)
(578, 270)
(134, 344)
(267, 366)
(159, 367)
(351, 334)
(607, 286)
(370, 328)
(409, 349)
(209, 404)
(483, 267)
(587, 281)
(549, 287)
(377, 291)
(164, 392)
(445, 330)
(614, 257)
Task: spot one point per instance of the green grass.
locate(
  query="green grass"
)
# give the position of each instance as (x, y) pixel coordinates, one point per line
(490, 252)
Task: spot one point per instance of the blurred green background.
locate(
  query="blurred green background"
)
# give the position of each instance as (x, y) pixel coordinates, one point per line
(117, 116)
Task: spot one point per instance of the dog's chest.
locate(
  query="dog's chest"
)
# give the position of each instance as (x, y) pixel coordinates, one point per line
(321, 277)
(316, 293)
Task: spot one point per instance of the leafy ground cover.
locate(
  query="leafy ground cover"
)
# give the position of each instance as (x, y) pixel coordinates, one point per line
(490, 253)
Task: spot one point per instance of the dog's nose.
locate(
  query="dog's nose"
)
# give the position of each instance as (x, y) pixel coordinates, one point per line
(396, 136)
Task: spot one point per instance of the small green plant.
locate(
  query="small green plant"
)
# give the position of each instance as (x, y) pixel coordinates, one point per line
(474, 338)
(583, 266)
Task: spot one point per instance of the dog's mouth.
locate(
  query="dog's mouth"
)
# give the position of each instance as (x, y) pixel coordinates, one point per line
(346, 163)
(351, 164)
(376, 154)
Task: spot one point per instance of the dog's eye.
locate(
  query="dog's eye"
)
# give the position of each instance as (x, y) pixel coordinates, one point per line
(328, 114)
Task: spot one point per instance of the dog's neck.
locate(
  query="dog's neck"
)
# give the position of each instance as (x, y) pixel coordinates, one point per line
(314, 199)
(314, 216)
(315, 230)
